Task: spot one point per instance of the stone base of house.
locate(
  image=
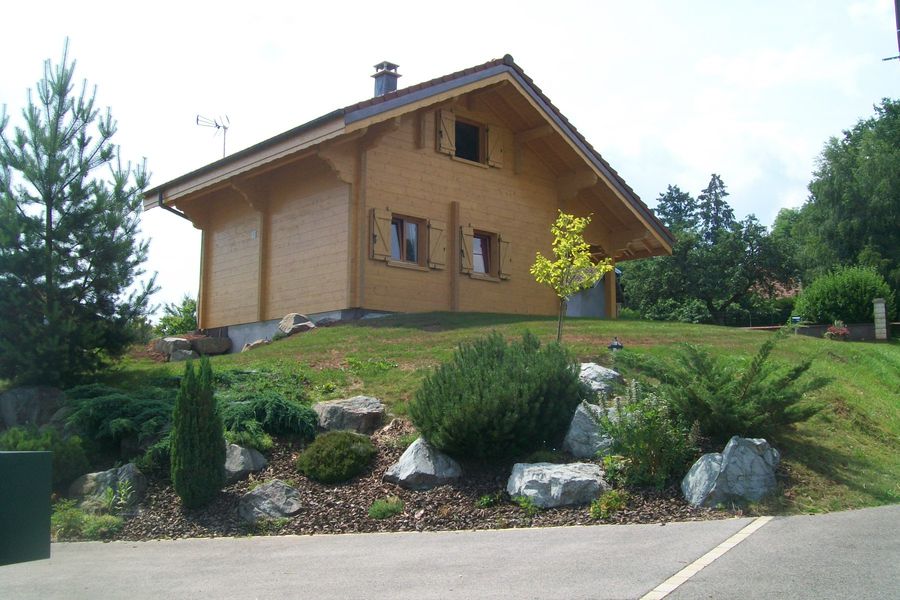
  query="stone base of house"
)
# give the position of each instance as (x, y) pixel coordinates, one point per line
(245, 333)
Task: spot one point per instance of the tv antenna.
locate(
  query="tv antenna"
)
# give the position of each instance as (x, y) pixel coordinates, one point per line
(219, 123)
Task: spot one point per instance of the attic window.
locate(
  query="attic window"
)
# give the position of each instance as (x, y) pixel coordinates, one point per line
(468, 141)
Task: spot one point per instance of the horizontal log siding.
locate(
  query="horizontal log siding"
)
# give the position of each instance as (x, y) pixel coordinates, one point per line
(308, 244)
(231, 263)
(423, 183)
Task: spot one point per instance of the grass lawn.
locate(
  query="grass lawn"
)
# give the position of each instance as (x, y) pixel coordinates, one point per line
(847, 456)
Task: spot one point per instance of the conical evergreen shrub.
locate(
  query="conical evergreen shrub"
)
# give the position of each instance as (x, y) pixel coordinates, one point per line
(198, 439)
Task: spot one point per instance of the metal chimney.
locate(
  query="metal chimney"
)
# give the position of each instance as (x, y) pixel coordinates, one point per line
(385, 78)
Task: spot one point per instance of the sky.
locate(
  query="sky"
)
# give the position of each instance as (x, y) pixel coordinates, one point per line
(668, 92)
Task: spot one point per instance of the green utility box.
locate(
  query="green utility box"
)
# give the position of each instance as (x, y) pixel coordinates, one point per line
(25, 480)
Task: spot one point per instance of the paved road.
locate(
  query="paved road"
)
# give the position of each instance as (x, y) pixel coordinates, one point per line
(846, 555)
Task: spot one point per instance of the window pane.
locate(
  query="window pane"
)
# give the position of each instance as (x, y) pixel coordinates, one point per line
(395, 239)
(468, 140)
(412, 241)
(480, 254)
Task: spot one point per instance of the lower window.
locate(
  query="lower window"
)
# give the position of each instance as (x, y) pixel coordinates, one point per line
(481, 253)
(405, 238)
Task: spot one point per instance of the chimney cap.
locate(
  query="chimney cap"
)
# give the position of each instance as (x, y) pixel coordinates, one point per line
(385, 66)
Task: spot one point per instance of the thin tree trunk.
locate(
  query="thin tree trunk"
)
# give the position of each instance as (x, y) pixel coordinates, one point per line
(562, 308)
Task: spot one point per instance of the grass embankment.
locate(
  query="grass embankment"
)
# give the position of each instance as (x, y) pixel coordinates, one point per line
(847, 456)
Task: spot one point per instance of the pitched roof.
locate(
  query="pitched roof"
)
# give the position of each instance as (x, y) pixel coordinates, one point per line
(414, 93)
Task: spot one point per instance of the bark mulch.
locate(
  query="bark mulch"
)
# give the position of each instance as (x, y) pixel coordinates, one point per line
(344, 508)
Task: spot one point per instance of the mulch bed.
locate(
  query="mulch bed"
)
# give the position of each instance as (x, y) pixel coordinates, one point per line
(344, 508)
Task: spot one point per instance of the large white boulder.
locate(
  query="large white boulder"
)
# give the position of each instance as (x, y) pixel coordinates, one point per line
(271, 500)
(240, 462)
(362, 414)
(421, 467)
(170, 344)
(585, 437)
(211, 345)
(31, 405)
(599, 378)
(744, 471)
(549, 485)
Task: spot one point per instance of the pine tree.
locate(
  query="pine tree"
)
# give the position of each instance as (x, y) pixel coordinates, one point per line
(69, 245)
(198, 439)
(716, 215)
(677, 209)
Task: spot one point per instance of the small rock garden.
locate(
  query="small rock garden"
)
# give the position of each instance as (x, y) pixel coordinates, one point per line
(505, 434)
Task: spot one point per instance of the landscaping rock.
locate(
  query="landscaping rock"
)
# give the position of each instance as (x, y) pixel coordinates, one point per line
(240, 462)
(207, 346)
(599, 378)
(180, 355)
(362, 414)
(95, 484)
(168, 345)
(549, 485)
(251, 345)
(744, 471)
(271, 500)
(585, 439)
(421, 467)
(31, 405)
(295, 323)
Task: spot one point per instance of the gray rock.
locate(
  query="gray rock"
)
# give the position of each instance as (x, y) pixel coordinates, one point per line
(599, 378)
(95, 484)
(168, 345)
(256, 344)
(295, 323)
(744, 471)
(180, 355)
(585, 438)
(550, 485)
(31, 405)
(362, 414)
(207, 346)
(240, 462)
(271, 500)
(421, 467)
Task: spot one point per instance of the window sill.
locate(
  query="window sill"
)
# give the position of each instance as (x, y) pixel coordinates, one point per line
(466, 161)
(406, 265)
(484, 277)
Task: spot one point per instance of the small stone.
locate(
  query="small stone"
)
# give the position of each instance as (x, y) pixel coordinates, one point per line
(549, 485)
(271, 500)
(96, 484)
(585, 439)
(255, 344)
(362, 414)
(240, 462)
(180, 355)
(599, 378)
(295, 323)
(422, 467)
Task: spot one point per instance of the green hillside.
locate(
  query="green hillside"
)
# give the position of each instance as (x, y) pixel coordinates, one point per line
(847, 456)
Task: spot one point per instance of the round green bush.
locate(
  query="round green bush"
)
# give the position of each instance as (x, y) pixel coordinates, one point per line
(336, 456)
(496, 401)
(845, 294)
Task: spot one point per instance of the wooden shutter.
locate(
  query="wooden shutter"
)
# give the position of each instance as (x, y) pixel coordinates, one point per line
(381, 234)
(467, 238)
(446, 132)
(495, 147)
(437, 244)
(505, 259)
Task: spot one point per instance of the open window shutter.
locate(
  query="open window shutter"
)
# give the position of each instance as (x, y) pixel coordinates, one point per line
(437, 244)
(467, 237)
(505, 259)
(494, 147)
(446, 134)
(381, 234)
